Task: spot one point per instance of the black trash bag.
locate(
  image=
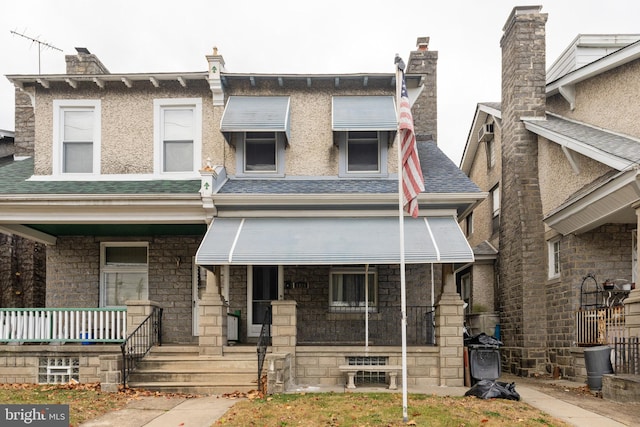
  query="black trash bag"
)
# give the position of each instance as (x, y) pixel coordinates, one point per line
(491, 389)
(482, 339)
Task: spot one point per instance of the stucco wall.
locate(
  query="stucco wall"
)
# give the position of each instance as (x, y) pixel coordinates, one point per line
(599, 100)
(73, 278)
(482, 290)
(557, 178)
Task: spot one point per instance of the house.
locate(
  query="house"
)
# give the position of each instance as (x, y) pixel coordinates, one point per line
(558, 156)
(239, 204)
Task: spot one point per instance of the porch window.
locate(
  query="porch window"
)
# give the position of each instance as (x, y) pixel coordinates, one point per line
(124, 273)
(554, 258)
(348, 292)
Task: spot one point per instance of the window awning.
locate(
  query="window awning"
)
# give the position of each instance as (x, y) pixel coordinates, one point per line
(329, 241)
(256, 114)
(362, 113)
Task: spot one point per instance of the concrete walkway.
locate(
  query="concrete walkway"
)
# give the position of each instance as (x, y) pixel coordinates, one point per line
(204, 411)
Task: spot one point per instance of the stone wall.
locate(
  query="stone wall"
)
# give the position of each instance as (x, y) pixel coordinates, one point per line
(522, 244)
(424, 110)
(73, 278)
(24, 124)
(22, 272)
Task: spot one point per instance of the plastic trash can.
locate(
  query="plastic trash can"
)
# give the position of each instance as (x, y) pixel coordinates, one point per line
(598, 363)
(484, 362)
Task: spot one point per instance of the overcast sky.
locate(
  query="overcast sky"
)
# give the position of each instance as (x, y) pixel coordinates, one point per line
(296, 36)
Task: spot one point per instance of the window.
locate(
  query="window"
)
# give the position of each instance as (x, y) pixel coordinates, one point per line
(469, 225)
(178, 125)
(491, 153)
(76, 137)
(465, 292)
(348, 291)
(124, 273)
(495, 209)
(554, 258)
(363, 153)
(260, 153)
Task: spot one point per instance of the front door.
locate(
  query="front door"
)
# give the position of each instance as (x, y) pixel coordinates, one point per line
(264, 284)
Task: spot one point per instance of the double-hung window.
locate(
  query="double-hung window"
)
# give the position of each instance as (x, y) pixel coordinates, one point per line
(363, 152)
(350, 288)
(554, 258)
(495, 209)
(178, 129)
(76, 137)
(124, 273)
(260, 152)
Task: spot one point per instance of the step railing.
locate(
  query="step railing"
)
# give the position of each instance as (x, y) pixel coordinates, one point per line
(47, 325)
(140, 341)
(263, 342)
(626, 354)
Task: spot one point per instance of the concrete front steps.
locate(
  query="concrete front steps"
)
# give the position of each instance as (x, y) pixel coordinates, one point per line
(180, 369)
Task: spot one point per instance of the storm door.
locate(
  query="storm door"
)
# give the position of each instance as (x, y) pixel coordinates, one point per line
(264, 284)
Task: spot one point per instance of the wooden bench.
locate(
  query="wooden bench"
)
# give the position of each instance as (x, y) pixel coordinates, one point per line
(352, 369)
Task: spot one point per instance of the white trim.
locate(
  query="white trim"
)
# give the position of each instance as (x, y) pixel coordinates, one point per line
(58, 135)
(158, 106)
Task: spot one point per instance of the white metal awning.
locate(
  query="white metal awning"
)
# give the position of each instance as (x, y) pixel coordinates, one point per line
(256, 114)
(362, 113)
(329, 241)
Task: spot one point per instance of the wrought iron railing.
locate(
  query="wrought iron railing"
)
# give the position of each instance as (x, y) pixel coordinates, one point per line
(626, 353)
(263, 342)
(600, 326)
(345, 326)
(140, 341)
(81, 325)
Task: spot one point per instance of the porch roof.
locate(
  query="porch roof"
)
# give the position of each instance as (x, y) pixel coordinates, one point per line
(328, 241)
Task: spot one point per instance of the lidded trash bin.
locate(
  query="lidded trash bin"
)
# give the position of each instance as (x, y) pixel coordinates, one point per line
(484, 362)
(598, 363)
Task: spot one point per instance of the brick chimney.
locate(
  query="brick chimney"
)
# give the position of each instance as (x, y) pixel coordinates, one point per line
(425, 108)
(522, 243)
(84, 63)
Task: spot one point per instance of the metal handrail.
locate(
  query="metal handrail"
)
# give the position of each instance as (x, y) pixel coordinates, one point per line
(140, 341)
(263, 342)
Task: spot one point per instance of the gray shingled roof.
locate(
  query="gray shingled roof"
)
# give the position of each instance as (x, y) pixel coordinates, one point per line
(441, 175)
(604, 141)
(485, 249)
(494, 105)
(14, 175)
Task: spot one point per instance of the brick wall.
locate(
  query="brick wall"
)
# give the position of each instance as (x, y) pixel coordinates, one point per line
(522, 244)
(73, 278)
(424, 110)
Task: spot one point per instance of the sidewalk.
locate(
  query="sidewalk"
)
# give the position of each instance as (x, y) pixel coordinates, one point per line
(204, 411)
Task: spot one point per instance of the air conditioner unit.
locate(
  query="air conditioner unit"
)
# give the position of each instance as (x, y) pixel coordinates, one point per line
(486, 132)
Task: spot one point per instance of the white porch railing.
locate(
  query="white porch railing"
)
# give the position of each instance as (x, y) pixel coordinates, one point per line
(85, 325)
(600, 326)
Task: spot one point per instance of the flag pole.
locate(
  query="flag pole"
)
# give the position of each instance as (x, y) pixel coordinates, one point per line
(403, 291)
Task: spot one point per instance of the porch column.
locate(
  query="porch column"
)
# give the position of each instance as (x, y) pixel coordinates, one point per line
(283, 326)
(137, 312)
(212, 326)
(449, 339)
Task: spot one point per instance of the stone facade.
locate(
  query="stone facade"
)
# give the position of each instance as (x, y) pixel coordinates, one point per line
(22, 272)
(522, 251)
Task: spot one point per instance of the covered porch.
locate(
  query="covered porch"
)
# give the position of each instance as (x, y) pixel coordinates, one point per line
(334, 286)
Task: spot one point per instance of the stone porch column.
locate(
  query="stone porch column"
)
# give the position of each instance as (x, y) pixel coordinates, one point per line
(137, 311)
(283, 326)
(212, 320)
(449, 339)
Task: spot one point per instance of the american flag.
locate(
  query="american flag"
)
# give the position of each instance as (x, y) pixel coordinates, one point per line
(412, 180)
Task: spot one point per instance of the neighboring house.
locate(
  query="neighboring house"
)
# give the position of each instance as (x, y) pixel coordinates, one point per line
(218, 195)
(22, 261)
(559, 158)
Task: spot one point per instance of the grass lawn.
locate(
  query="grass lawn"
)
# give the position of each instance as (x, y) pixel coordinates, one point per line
(382, 409)
(85, 401)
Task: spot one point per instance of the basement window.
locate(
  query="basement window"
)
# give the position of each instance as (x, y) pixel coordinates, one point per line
(58, 370)
(364, 377)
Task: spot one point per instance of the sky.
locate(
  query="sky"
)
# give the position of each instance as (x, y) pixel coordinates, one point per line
(296, 36)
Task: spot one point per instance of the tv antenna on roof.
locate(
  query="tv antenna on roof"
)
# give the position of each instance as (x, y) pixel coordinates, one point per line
(41, 45)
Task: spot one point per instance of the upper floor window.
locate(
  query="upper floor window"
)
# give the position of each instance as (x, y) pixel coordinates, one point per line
(469, 225)
(491, 153)
(554, 258)
(178, 129)
(362, 127)
(260, 153)
(495, 208)
(76, 137)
